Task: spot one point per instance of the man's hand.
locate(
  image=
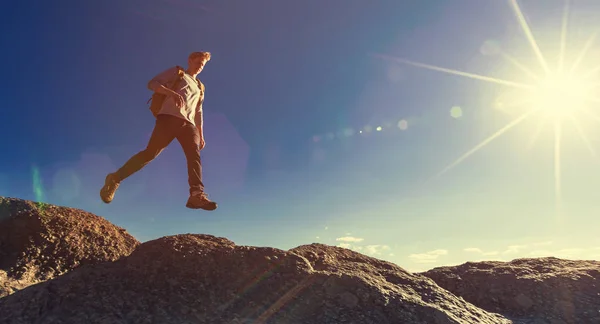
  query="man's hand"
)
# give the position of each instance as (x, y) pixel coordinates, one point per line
(202, 143)
(179, 102)
(177, 98)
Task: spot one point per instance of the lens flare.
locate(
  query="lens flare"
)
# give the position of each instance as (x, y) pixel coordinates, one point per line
(38, 188)
(560, 95)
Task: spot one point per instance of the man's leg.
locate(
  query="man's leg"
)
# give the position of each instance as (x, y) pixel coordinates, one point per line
(163, 134)
(189, 139)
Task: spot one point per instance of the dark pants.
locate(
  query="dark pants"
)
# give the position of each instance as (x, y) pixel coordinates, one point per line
(168, 128)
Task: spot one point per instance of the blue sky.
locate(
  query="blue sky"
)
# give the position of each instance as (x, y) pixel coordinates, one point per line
(289, 89)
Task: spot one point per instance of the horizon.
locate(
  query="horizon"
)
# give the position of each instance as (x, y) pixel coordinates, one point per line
(388, 129)
(369, 250)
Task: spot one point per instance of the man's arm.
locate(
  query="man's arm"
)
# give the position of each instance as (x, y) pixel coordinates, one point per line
(157, 87)
(159, 82)
(199, 120)
(199, 124)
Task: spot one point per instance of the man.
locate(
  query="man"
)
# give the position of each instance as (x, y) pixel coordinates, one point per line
(178, 117)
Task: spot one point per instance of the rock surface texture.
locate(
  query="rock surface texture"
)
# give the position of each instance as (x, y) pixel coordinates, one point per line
(64, 265)
(541, 290)
(205, 279)
(39, 242)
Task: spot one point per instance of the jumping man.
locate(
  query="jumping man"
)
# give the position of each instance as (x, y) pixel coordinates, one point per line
(179, 117)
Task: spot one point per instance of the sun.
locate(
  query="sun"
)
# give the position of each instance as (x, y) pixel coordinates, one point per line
(557, 96)
(561, 94)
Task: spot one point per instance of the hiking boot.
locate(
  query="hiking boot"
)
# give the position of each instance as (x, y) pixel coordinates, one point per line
(111, 183)
(200, 201)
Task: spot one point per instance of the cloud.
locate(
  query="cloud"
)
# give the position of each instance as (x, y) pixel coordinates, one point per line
(595, 253)
(491, 253)
(428, 257)
(542, 249)
(480, 251)
(518, 248)
(349, 239)
(572, 253)
(513, 249)
(540, 253)
(568, 253)
(349, 246)
(374, 250)
(345, 245)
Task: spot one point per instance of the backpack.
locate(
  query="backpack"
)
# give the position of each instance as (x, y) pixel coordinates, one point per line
(157, 99)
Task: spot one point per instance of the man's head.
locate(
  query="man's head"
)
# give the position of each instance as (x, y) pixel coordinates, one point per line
(197, 60)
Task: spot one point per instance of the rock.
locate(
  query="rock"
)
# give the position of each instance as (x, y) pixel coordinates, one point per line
(196, 278)
(389, 293)
(64, 265)
(524, 301)
(42, 241)
(542, 290)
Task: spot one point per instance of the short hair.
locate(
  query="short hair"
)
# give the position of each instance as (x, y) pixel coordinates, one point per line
(199, 54)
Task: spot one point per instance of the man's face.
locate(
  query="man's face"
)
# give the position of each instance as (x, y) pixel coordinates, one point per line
(197, 64)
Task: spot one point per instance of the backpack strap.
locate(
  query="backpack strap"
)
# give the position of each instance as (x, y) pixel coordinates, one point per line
(180, 73)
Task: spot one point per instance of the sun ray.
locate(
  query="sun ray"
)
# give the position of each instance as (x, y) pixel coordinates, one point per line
(486, 141)
(529, 35)
(583, 136)
(563, 36)
(456, 72)
(553, 94)
(514, 104)
(581, 55)
(503, 104)
(557, 138)
(518, 64)
(591, 72)
(537, 132)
